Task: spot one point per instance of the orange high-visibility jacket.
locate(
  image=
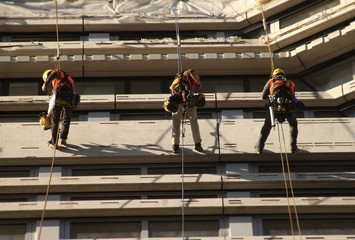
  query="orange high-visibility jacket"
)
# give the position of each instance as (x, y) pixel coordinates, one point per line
(275, 83)
(186, 80)
(59, 77)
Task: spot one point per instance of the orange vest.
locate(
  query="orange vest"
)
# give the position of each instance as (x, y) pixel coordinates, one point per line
(57, 80)
(186, 79)
(275, 83)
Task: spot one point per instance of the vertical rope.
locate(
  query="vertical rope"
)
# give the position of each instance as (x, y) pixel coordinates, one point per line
(178, 42)
(285, 181)
(57, 64)
(182, 175)
(267, 37)
(49, 180)
(282, 160)
(291, 187)
(179, 66)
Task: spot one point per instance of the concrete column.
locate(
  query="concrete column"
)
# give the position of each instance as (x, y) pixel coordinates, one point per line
(274, 26)
(45, 172)
(232, 114)
(236, 168)
(145, 229)
(99, 116)
(50, 229)
(240, 226)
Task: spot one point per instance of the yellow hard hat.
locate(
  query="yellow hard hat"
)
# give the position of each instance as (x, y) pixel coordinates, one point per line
(278, 71)
(46, 74)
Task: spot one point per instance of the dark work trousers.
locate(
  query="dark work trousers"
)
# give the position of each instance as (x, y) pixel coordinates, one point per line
(265, 130)
(66, 117)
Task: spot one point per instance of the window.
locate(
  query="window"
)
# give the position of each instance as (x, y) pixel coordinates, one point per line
(202, 228)
(13, 232)
(23, 88)
(105, 230)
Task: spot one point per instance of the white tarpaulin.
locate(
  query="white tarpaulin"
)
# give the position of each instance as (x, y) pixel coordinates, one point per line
(124, 8)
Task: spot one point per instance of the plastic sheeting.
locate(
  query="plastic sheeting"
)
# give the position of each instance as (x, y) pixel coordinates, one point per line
(125, 8)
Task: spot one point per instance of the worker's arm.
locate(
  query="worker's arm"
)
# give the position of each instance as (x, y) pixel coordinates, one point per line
(266, 91)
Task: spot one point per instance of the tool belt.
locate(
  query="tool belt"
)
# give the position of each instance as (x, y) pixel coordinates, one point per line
(281, 105)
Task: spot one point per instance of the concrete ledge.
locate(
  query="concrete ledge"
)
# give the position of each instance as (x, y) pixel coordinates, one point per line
(152, 101)
(331, 98)
(150, 141)
(154, 207)
(239, 137)
(279, 205)
(112, 183)
(274, 237)
(173, 182)
(168, 207)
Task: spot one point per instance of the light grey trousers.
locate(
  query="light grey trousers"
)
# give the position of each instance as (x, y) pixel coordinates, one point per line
(191, 114)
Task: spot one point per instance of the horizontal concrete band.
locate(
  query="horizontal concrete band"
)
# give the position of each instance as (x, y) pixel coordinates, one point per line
(331, 98)
(274, 237)
(171, 182)
(150, 141)
(164, 207)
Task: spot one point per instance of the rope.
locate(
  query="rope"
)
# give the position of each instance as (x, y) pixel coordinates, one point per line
(49, 180)
(267, 37)
(179, 66)
(285, 181)
(57, 64)
(178, 42)
(282, 160)
(182, 174)
(291, 187)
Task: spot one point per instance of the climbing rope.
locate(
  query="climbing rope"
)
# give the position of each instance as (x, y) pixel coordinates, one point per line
(57, 66)
(285, 150)
(50, 179)
(291, 187)
(57, 63)
(178, 42)
(183, 123)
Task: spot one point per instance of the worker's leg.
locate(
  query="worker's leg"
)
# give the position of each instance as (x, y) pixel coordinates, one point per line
(55, 122)
(67, 113)
(292, 121)
(264, 133)
(195, 129)
(175, 135)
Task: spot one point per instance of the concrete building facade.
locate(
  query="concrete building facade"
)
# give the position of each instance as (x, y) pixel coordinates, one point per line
(118, 179)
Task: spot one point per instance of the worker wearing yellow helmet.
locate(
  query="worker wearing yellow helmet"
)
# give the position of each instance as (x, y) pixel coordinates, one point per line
(182, 89)
(282, 103)
(63, 97)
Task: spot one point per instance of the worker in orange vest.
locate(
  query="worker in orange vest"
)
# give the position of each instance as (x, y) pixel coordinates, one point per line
(280, 93)
(182, 91)
(62, 103)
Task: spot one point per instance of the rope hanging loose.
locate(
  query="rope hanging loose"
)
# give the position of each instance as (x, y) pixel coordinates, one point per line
(183, 120)
(50, 179)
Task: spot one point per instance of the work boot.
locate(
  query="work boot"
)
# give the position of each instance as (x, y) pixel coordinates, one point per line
(51, 145)
(198, 147)
(64, 141)
(175, 148)
(258, 150)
